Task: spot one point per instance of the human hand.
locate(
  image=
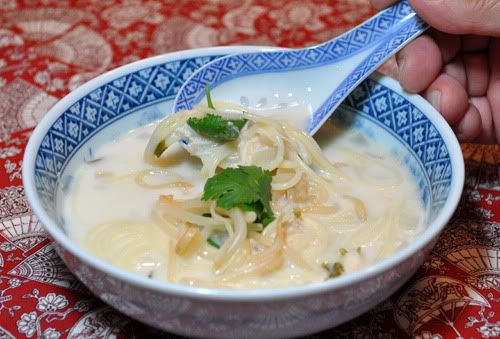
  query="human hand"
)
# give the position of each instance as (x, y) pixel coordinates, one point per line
(456, 65)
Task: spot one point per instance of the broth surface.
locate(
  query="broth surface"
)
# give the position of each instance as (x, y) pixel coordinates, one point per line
(104, 189)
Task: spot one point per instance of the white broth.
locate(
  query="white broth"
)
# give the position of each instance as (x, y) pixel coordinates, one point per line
(371, 210)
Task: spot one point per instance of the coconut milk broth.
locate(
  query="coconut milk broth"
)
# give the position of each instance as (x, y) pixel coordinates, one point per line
(93, 199)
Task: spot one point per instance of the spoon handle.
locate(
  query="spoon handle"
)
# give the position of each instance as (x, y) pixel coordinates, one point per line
(388, 31)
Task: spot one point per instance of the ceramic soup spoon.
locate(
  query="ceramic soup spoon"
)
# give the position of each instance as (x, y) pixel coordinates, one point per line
(317, 78)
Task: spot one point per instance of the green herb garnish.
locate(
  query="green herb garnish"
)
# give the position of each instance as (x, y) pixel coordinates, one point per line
(160, 148)
(335, 270)
(247, 187)
(216, 127)
(210, 104)
(342, 251)
(212, 243)
(217, 239)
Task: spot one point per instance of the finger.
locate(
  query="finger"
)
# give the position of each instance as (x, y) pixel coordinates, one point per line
(456, 69)
(449, 44)
(487, 134)
(474, 43)
(419, 64)
(478, 17)
(477, 70)
(448, 97)
(379, 4)
(494, 86)
(469, 127)
(390, 68)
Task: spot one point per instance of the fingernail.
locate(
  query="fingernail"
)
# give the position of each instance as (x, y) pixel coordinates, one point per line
(400, 60)
(434, 98)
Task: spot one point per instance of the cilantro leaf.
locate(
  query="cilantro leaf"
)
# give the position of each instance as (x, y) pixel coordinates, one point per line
(230, 188)
(247, 187)
(216, 127)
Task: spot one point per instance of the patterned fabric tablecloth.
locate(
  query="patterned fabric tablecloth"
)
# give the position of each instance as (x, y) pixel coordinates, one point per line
(49, 47)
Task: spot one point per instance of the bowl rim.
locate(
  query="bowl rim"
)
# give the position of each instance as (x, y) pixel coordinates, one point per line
(427, 236)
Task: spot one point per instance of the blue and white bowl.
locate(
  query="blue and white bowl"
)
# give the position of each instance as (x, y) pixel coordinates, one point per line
(141, 92)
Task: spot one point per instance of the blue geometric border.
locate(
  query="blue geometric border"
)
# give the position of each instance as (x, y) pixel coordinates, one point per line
(413, 129)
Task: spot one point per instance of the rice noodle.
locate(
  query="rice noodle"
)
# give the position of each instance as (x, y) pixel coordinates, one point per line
(189, 242)
(262, 146)
(315, 210)
(217, 216)
(281, 185)
(184, 215)
(165, 223)
(172, 262)
(297, 258)
(262, 240)
(271, 258)
(232, 244)
(359, 207)
(140, 179)
(265, 261)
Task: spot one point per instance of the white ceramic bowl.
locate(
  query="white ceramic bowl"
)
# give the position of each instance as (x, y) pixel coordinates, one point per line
(143, 91)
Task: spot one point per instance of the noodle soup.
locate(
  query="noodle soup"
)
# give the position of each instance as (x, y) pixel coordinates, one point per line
(245, 203)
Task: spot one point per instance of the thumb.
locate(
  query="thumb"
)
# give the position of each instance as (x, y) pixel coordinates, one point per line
(479, 17)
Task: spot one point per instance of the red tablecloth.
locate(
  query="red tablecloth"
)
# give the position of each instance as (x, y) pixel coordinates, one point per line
(48, 47)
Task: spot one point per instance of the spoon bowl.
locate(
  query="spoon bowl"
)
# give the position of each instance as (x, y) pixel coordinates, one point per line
(318, 78)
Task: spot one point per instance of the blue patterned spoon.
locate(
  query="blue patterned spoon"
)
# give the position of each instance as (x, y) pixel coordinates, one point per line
(318, 78)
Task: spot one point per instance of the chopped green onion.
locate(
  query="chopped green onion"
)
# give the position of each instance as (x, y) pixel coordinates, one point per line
(212, 243)
(160, 148)
(217, 239)
(338, 269)
(209, 97)
(335, 270)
